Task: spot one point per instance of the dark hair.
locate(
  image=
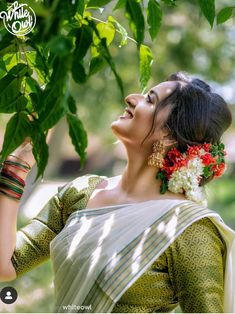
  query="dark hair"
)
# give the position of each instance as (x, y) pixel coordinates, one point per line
(197, 114)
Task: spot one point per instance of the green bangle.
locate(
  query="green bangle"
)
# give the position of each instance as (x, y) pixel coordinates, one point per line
(10, 162)
(11, 179)
(11, 187)
(11, 196)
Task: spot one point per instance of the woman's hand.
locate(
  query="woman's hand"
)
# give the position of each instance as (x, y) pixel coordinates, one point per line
(24, 155)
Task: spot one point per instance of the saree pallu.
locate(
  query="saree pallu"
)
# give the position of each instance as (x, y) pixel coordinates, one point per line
(101, 252)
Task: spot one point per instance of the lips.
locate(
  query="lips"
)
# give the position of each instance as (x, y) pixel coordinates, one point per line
(127, 114)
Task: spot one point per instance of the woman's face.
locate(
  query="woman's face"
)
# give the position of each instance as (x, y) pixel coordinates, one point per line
(132, 128)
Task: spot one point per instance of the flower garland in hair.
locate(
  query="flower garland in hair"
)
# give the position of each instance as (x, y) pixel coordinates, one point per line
(183, 172)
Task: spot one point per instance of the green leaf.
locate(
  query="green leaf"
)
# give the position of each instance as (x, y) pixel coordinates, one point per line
(3, 69)
(60, 45)
(96, 64)
(207, 171)
(161, 175)
(40, 149)
(72, 104)
(208, 9)
(120, 4)
(97, 3)
(104, 51)
(78, 136)
(146, 60)
(38, 7)
(154, 17)
(67, 8)
(20, 69)
(7, 42)
(83, 42)
(121, 30)
(53, 103)
(17, 129)
(54, 111)
(136, 19)
(106, 30)
(18, 104)
(78, 72)
(225, 14)
(171, 3)
(81, 7)
(55, 95)
(10, 92)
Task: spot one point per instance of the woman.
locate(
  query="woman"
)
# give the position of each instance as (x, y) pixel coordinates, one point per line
(143, 241)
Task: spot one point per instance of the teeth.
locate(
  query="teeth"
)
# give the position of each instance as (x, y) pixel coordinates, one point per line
(127, 114)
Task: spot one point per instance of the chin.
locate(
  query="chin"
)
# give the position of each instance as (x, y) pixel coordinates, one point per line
(114, 127)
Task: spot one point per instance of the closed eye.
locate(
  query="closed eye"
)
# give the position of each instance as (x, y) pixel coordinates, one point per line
(149, 99)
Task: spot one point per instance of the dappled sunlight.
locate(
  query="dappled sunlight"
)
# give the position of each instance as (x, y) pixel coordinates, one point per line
(169, 228)
(106, 230)
(85, 226)
(114, 259)
(137, 253)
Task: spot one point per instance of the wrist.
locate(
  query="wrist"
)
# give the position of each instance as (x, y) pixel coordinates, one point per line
(18, 168)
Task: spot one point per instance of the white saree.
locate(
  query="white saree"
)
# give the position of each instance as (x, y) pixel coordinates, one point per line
(101, 252)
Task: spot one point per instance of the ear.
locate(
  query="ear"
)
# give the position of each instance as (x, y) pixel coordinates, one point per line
(167, 138)
(169, 142)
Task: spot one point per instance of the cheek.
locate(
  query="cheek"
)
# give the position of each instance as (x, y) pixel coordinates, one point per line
(144, 116)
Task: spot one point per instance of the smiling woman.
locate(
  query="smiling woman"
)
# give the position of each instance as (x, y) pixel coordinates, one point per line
(143, 241)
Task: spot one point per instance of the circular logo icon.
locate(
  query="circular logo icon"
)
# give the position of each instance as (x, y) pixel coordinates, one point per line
(19, 19)
(8, 295)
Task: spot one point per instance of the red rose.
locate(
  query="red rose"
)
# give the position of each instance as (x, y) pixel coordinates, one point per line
(174, 154)
(218, 169)
(207, 159)
(193, 151)
(206, 147)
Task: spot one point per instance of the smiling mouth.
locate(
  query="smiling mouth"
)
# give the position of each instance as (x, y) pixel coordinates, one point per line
(127, 114)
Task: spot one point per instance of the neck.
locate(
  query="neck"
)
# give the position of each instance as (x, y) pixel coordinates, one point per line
(138, 178)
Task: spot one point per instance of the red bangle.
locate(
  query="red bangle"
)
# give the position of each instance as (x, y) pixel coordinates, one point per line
(17, 167)
(14, 175)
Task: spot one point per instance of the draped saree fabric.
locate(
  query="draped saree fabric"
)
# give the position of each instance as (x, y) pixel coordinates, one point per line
(101, 252)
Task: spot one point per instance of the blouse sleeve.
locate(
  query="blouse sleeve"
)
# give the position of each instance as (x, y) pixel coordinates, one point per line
(196, 267)
(33, 240)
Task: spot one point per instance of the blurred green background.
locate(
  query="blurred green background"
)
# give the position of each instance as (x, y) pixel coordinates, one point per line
(186, 43)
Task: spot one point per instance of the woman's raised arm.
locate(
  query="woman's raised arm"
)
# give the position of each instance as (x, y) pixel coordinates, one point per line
(13, 174)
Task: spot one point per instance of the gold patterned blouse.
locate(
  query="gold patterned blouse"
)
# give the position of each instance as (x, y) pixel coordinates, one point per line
(189, 273)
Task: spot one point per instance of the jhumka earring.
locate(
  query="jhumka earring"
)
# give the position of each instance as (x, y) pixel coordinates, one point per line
(156, 158)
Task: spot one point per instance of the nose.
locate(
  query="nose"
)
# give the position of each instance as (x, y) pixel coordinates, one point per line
(132, 100)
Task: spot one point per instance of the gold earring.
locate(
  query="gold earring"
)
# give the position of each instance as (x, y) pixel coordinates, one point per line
(156, 158)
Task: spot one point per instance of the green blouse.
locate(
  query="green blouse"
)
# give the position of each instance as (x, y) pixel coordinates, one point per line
(189, 273)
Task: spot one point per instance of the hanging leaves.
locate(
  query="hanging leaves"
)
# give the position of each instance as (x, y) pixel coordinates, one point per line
(68, 41)
(225, 14)
(78, 135)
(154, 17)
(136, 19)
(18, 128)
(40, 149)
(146, 59)
(208, 9)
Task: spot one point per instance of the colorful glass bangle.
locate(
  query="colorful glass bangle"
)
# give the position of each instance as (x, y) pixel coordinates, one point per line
(21, 160)
(13, 163)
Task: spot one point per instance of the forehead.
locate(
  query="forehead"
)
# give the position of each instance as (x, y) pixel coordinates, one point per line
(164, 89)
